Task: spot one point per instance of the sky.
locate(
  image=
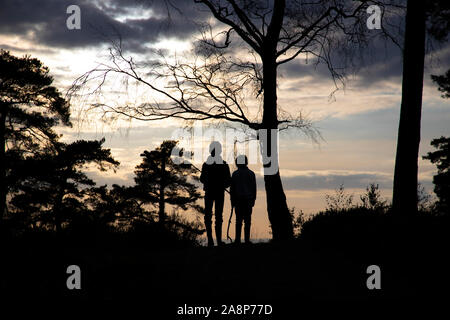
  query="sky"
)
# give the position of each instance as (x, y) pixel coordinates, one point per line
(358, 124)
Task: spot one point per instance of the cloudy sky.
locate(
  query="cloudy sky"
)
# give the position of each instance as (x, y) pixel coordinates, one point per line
(358, 125)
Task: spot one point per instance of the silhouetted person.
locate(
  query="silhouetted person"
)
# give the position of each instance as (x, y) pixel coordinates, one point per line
(215, 177)
(243, 196)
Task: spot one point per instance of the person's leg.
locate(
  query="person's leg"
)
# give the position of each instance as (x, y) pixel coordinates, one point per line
(238, 224)
(208, 219)
(248, 223)
(218, 212)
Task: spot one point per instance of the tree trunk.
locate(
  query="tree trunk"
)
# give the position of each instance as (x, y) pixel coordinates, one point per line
(162, 186)
(404, 198)
(3, 185)
(57, 209)
(279, 215)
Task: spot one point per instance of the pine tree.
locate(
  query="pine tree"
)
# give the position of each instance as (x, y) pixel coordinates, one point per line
(160, 181)
(441, 157)
(51, 186)
(30, 107)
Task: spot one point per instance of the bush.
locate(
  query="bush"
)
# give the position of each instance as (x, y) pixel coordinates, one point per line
(372, 198)
(340, 201)
(298, 220)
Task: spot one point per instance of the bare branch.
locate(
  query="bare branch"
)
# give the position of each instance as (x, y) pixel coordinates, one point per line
(222, 14)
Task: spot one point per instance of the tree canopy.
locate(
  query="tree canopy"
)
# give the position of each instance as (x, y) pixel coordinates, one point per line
(56, 192)
(443, 82)
(30, 108)
(441, 158)
(29, 103)
(161, 181)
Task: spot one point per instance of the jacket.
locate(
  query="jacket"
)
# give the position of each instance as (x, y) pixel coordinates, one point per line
(243, 187)
(215, 177)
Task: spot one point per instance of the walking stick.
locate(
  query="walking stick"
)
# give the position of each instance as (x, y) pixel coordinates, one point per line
(229, 223)
(232, 207)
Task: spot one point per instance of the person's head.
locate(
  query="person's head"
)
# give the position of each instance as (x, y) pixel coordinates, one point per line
(215, 148)
(241, 161)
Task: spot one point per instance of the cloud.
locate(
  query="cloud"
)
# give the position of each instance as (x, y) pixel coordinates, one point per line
(137, 22)
(377, 68)
(43, 50)
(323, 179)
(109, 179)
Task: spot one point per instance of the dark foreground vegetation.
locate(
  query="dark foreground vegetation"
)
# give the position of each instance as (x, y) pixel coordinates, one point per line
(328, 260)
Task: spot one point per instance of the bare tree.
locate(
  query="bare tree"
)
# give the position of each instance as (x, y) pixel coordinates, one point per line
(238, 57)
